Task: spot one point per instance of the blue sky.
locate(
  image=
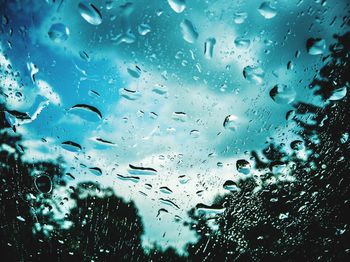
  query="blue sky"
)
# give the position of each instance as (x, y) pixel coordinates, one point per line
(207, 90)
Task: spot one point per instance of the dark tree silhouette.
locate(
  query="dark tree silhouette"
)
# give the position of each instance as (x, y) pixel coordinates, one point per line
(305, 220)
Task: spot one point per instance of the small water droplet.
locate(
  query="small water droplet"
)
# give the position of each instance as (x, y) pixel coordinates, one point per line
(139, 170)
(240, 17)
(83, 55)
(231, 186)
(129, 94)
(96, 171)
(242, 43)
(144, 29)
(43, 184)
(160, 89)
(71, 146)
(134, 72)
(194, 133)
(87, 112)
(203, 209)
(297, 145)
(165, 190)
(179, 116)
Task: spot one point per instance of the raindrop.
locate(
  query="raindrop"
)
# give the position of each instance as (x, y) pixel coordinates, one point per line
(127, 37)
(103, 141)
(344, 138)
(144, 29)
(209, 47)
(134, 72)
(267, 11)
(183, 179)
(93, 93)
(316, 46)
(90, 13)
(242, 43)
(162, 210)
(240, 17)
(160, 89)
(177, 5)
(297, 145)
(189, 32)
(43, 184)
(58, 32)
(231, 186)
(71, 146)
(203, 209)
(129, 94)
(134, 179)
(87, 112)
(139, 170)
(169, 203)
(83, 55)
(179, 116)
(254, 74)
(283, 94)
(243, 166)
(165, 190)
(230, 122)
(338, 94)
(194, 133)
(96, 171)
(290, 65)
(278, 167)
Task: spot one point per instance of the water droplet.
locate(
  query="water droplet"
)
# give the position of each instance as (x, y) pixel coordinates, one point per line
(43, 184)
(209, 47)
(160, 89)
(144, 29)
(338, 94)
(194, 133)
(134, 72)
(87, 112)
(290, 65)
(242, 43)
(139, 170)
(267, 11)
(90, 13)
(71, 146)
(183, 179)
(134, 179)
(283, 94)
(189, 32)
(93, 93)
(297, 145)
(316, 46)
(278, 167)
(96, 171)
(129, 94)
(231, 186)
(254, 74)
(58, 33)
(83, 55)
(243, 166)
(179, 116)
(128, 38)
(344, 138)
(230, 122)
(203, 209)
(169, 203)
(240, 17)
(21, 218)
(165, 190)
(177, 5)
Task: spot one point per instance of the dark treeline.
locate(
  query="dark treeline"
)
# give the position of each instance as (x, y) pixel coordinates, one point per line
(304, 220)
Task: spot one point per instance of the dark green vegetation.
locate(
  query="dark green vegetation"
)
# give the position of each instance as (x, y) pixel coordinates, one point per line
(305, 220)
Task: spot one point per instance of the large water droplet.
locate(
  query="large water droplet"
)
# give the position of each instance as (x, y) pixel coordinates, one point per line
(71, 146)
(189, 32)
(203, 209)
(96, 171)
(139, 170)
(231, 186)
(316, 46)
(58, 32)
(177, 5)
(165, 190)
(169, 203)
(134, 179)
(209, 47)
(90, 13)
(283, 94)
(230, 122)
(254, 74)
(194, 133)
(87, 112)
(43, 184)
(267, 11)
(179, 116)
(338, 94)
(129, 94)
(243, 166)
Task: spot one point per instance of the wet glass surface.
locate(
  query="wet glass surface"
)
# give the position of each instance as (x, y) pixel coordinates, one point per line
(174, 130)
